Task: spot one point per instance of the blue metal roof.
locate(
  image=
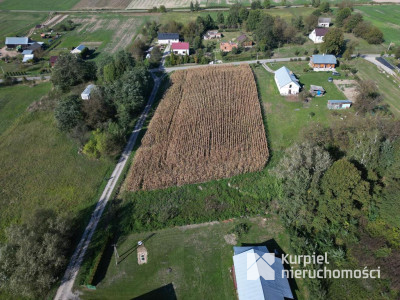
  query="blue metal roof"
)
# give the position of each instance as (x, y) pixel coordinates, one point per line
(80, 47)
(284, 76)
(27, 52)
(324, 59)
(168, 36)
(17, 41)
(259, 289)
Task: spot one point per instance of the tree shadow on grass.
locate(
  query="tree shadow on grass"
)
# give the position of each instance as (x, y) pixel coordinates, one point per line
(166, 292)
(274, 247)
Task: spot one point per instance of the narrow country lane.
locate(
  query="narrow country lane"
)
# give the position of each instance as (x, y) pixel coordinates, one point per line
(64, 292)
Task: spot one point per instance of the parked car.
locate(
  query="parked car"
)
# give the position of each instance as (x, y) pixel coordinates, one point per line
(334, 73)
(330, 79)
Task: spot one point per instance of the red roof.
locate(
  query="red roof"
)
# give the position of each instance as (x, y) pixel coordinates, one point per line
(321, 31)
(180, 46)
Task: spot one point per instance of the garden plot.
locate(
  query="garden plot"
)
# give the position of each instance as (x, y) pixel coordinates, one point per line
(146, 4)
(102, 4)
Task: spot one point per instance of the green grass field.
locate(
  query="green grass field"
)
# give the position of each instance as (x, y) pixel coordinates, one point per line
(15, 23)
(385, 17)
(196, 259)
(45, 5)
(41, 167)
(286, 119)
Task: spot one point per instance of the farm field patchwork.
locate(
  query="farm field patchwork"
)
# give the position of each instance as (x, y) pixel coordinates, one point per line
(193, 261)
(386, 18)
(108, 32)
(16, 23)
(45, 5)
(208, 126)
(102, 4)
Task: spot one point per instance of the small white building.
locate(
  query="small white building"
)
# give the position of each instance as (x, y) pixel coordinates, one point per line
(78, 50)
(87, 92)
(212, 34)
(27, 57)
(180, 48)
(168, 38)
(339, 104)
(317, 35)
(286, 82)
(324, 22)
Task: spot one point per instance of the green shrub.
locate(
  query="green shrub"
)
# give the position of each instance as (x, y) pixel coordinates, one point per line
(383, 252)
(240, 229)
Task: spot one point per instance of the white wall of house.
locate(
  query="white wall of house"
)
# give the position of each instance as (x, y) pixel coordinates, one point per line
(165, 42)
(289, 89)
(181, 51)
(316, 39)
(321, 24)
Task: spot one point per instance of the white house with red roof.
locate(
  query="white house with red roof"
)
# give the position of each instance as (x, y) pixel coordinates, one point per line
(181, 48)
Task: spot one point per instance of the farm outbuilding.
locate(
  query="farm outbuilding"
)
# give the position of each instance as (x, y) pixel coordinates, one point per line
(324, 22)
(317, 90)
(27, 57)
(339, 104)
(79, 49)
(286, 82)
(267, 279)
(167, 38)
(14, 42)
(87, 92)
(212, 34)
(53, 60)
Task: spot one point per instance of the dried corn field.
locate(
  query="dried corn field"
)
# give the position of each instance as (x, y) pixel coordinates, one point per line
(207, 126)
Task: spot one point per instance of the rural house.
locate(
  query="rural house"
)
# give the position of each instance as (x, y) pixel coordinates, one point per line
(267, 281)
(317, 35)
(324, 22)
(212, 34)
(227, 46)
(317, 90)
(339, 104)
(87, 92)
(14, 42)
(168, 38)
(79, 49)
(180, 48)
(244, 41)
(323, 62)
(286, 82)
(34, 47)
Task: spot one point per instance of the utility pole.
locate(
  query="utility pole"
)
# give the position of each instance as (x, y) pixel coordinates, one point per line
(115, 254)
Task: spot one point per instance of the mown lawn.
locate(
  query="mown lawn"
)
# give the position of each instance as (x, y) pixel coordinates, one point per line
(286, 119)
(40, 166)
(196, 260)
(45, 5)
(386, 18)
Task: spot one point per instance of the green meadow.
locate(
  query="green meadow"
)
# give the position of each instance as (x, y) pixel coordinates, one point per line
(45, 5)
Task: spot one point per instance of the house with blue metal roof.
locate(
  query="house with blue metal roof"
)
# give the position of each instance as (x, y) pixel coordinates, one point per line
(323, 62)
(259, 274)
(167, 38)
(286, 82)
(78, 49)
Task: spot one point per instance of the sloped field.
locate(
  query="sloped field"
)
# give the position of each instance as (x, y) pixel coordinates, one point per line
(208, 126)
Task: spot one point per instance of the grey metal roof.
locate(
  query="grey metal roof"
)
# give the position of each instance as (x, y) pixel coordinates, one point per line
(316, 88)
(27, 52)
(340, 101)
(88, 89)
(168, 36)
(324, 20)
(27, 57)
(80, 47)
(259, 289)
(324, 59)
(284, 76)
(17, 41)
